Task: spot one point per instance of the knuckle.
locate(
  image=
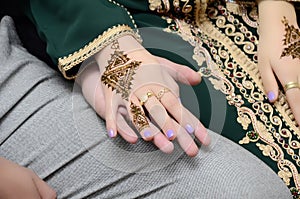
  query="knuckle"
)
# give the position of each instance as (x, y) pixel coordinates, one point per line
(171, 103)
(176, 89)
(30, 172)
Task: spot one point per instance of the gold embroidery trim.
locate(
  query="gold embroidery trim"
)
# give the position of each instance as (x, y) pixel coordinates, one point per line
(163, 6)
(261, 116)
(200, 11)
(68, 62)
(250, 67)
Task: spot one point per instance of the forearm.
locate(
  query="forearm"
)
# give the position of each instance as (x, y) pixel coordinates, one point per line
(271, 11)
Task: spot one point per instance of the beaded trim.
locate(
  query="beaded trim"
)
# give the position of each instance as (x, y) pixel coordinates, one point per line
(234, 72)
(68, 62)
(129, 14)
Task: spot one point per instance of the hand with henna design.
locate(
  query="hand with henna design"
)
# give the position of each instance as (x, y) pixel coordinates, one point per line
(278, 52)
(152, 89)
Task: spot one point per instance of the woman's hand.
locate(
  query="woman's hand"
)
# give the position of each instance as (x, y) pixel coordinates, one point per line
(272, 62)
(156, 77)
(18, 182)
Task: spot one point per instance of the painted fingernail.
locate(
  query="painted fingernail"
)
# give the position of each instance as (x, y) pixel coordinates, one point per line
(170, 133)
(147, 134)
(111, 133)
(271, 96)
(189, 129)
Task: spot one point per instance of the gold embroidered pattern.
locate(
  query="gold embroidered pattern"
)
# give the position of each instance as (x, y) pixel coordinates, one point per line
(67, 63)
(163, 6)
(233, 71)
(157, 5)
(186, 8)
(139, 118)
(119, 72)
(291, 40)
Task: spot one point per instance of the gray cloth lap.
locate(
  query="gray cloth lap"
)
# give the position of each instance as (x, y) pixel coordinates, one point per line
(39, 129)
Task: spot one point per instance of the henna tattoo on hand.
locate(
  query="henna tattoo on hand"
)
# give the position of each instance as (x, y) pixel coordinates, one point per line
(119, 72)
(291, 40)
(139, 118)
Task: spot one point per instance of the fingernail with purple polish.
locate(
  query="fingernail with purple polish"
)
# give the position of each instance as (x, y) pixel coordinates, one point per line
(189, 129)
(111, 133)
(147, 134)
(170, 133)
(271, 96)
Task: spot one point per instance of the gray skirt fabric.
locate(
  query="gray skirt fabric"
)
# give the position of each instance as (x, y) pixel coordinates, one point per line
(46, 125)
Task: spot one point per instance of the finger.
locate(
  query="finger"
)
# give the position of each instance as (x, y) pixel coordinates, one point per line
(158, 113)
(202, 134)
(92, 89)
(185, 118)
(45, 191)
(125, 130)
(110, 115)
(161, 142)
(180, 73)
(186, 142)
(293, 97)
(139, 119)
(99, 102)
(268, 78)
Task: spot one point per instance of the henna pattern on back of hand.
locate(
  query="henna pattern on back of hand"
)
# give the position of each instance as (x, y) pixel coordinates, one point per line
(119, 72)
(291, 41)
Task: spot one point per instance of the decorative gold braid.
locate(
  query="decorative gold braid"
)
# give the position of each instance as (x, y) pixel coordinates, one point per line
(68, 62)
(163, 6)
(200, 10)
(155, 5)
(241, 74)
(128, 13)
(249, 67)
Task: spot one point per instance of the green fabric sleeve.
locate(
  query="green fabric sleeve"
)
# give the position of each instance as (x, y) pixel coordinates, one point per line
(74, 30)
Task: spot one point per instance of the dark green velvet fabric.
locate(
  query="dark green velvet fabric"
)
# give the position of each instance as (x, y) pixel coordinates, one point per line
(69, 25)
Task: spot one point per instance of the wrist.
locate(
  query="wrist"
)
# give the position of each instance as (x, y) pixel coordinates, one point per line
(273, 10)
(127, 44)
(271, 14)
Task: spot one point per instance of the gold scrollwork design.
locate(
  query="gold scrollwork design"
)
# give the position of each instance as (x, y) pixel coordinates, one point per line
(271, 127)
(163, 6)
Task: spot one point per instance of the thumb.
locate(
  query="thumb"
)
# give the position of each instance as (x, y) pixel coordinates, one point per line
(45, 191)
(180, 72)
(269, 80)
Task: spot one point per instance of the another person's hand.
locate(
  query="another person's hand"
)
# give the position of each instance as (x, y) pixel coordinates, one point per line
(18, 182)
(273, 63)
(155, 75)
